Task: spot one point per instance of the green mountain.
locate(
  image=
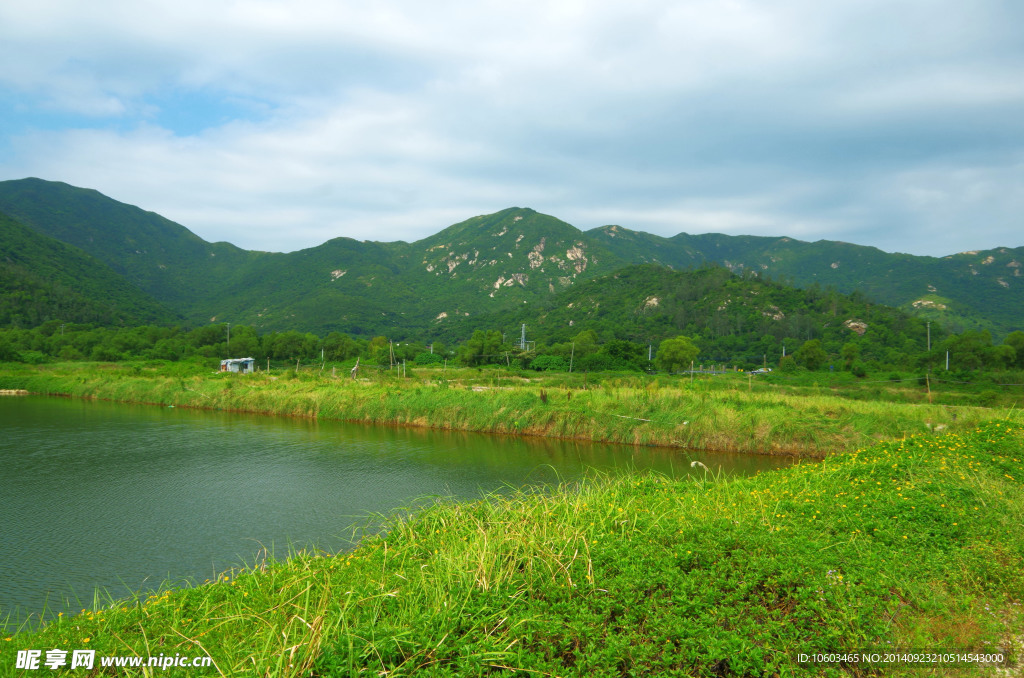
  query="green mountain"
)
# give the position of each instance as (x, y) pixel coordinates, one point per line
(498, 265)
(42, 279)
(482, 265)
(160, 257)
(730, 316)
(970, 290)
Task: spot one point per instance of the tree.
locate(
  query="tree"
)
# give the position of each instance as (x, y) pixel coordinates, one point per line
(288, 345)
(7, 352)
(481, 348)
(338, 346)
(850, 353)
(378, 350)
(207, 335)
(811, 355)
(676, 354)
(577, 348)
(1002, 355)
(244, 342)
(425, 358)
(544, 363)
(1015, 340)
(971, 350)
(625, 354)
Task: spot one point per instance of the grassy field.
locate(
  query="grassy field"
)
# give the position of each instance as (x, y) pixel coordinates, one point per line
(908, 545)
(725, 412)
(906, 537)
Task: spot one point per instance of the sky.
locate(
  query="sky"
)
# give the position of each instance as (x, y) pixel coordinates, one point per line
(278, 125)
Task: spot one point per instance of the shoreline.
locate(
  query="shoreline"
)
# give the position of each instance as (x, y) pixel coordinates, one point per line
(706, 416)
(878, 548)
(794, 453)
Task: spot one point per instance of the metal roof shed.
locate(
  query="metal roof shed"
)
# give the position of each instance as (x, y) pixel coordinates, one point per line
(242, 365)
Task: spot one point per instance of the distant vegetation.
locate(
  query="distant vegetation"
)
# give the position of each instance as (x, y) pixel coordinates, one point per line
(621, 322)
(481, 271)
(42, 278)
(910, 544)
(970, 352)
(80, 276)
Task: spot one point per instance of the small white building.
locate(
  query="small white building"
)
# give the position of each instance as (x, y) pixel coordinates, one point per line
(242, 365)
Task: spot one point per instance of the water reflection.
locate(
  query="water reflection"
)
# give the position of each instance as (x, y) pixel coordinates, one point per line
(124, 497)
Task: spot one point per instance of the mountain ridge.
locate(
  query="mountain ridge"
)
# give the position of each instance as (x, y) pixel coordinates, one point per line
(485, 264)
(43, 279)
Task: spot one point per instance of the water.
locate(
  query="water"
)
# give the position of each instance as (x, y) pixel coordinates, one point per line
(123, 497)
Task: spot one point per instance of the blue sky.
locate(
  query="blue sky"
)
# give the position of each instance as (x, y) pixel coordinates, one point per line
(279, 125)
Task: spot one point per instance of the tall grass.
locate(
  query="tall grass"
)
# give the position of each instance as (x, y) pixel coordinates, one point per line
(906, 545)
(722, 415)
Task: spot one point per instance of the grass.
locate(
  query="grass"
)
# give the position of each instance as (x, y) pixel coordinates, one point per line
(913, 544)
(723, 413)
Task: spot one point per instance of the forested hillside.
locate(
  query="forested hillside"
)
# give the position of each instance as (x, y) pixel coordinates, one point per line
(732, 318)
(510, 263)
(161, 258)
(969, 290)
(42, 279)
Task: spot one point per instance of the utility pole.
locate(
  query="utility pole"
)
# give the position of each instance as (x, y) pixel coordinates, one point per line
(229, 340)
(522, 342)
(929, 337)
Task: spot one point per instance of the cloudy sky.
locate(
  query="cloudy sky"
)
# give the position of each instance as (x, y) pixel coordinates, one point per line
(279, 124)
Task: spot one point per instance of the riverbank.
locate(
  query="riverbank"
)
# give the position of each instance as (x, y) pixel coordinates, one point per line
(910, 545)
(720, 414)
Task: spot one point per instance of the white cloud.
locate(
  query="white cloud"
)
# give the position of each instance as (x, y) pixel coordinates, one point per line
(279, 125)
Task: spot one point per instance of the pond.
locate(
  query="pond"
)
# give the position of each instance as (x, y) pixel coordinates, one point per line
(122, 498)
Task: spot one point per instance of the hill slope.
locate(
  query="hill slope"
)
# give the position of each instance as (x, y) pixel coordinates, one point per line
(731, 317)
(490, 264)
(42, 279)
(970, 290)
(160, 257)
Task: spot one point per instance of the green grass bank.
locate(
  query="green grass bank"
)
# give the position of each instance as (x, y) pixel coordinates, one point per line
(721, 413)
(908, 545)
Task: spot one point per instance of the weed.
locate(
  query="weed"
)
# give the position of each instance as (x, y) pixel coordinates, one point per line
(721, 413)
(912, 544)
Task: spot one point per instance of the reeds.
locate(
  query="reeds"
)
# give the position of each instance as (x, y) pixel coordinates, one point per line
(907, 545)
(721, 415)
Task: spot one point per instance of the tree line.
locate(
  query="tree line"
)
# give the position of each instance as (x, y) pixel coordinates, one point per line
(587, 350)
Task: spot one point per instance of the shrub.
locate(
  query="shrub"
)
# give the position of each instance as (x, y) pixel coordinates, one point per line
(428, 359)
(548, 363)
(33, 357)
(106, 353)
(988, 398)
